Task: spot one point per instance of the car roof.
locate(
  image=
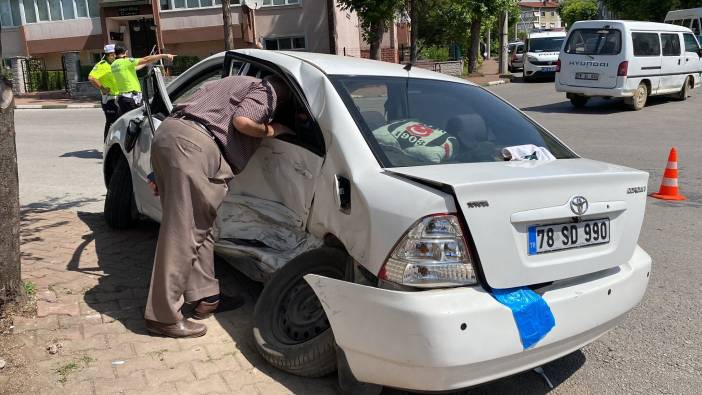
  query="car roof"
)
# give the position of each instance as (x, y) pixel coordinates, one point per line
(345, 65)
(547, 34)
(632, 25)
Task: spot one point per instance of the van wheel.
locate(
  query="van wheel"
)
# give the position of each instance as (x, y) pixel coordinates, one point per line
(579, 101)
(120, 207)
(685, 90)
(638, 101)
(291, 330)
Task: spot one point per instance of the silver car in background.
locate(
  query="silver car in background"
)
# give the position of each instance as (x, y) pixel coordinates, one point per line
(516, 56)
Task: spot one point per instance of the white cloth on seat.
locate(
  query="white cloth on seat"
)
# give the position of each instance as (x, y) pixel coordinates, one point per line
(527, 152)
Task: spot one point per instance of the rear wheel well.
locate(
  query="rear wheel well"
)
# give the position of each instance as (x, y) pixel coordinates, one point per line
(648, 86)
(111, 159)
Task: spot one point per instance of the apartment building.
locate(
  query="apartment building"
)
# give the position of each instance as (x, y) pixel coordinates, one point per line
(49, 28)
(539, 15)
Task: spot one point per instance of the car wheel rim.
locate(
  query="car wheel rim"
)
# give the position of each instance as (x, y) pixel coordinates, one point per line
(640, 96)
(299, 315)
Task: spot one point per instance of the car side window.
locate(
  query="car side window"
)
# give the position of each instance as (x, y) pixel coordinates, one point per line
(690, 43)
(671, 44)
(646, 44)
(184, 93)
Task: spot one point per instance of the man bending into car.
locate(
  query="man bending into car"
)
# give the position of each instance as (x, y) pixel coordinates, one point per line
(195, 152)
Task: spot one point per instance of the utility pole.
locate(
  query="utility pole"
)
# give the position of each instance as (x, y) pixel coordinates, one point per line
(504, 55)
(489, 40)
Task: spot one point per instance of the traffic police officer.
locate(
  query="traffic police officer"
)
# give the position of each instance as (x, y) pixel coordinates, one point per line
(124, 70)
(101, 77)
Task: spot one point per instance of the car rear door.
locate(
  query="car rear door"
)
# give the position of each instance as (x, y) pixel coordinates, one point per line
(672, 64)
(284, 169)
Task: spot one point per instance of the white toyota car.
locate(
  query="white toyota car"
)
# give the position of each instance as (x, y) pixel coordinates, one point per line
(396, 241)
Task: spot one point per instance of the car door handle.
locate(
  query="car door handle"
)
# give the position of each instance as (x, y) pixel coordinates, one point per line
(678, 61)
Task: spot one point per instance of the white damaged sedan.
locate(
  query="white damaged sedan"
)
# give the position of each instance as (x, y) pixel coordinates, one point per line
(416, 232)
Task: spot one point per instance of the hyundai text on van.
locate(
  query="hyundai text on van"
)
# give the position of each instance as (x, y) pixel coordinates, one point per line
(632, 60)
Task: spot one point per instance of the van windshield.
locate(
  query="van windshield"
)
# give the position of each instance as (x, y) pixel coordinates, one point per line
(546, 44)
(419, 122)
(594, 42)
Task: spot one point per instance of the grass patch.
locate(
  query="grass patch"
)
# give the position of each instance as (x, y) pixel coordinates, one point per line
(29, 288)
(73, 366)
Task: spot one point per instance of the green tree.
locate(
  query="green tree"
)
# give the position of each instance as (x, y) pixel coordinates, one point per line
(374, 16)
(482, 10)
(443, 22)
(648, 10)
(572, 11)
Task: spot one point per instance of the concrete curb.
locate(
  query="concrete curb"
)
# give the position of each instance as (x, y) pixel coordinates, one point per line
(498, 82)
(55, 106)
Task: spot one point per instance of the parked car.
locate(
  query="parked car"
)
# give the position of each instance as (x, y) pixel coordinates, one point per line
(542, 54)
(632, 60)
(385, 227)
(516, 56)
(691, 18)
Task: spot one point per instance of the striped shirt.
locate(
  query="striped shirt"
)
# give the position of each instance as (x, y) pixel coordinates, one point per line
(216, 103)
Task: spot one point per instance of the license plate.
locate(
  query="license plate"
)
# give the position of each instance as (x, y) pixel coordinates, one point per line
(587, 76)
(554, 237)
(548, 69)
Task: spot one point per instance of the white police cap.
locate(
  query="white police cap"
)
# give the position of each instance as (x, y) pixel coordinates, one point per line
(109, 48)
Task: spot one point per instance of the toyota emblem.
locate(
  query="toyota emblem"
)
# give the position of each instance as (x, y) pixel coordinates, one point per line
(578, 205)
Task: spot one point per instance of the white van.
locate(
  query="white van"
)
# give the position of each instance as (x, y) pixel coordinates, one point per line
(628, 59)
(691, 18)
(542, 54)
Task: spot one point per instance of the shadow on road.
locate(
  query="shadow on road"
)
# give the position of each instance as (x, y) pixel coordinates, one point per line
(83, 154)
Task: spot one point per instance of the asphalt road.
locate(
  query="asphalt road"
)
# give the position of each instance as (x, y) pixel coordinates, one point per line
(656, 350)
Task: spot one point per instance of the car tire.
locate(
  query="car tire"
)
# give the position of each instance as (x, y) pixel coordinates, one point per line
(579, 101)
(291, 330)
(527, 78)
(685, 90)
(638, 101)
(120, 207)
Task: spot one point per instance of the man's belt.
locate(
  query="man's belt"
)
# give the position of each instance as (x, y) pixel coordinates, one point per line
(198, 124)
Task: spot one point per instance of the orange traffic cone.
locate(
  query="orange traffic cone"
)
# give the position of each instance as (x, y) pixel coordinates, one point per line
(669, 183)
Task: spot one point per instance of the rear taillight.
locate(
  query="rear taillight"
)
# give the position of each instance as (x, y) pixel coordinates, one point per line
(432, 254)
(558, 65)
(623, 69)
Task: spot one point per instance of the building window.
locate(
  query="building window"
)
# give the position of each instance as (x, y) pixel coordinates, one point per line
(269, 3)
(10, 13)
(553, 13)
(285, 43)
(181, 4)
(543, 13)
(52, 10)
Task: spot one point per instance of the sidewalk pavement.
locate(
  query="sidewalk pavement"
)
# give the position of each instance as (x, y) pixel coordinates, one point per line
(488, 74)
(52, 100)
(88, 336)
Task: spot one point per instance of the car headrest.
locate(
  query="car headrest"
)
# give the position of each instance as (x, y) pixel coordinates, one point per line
(468, 127)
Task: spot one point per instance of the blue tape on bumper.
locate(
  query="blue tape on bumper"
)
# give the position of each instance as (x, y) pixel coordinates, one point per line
(532, 315)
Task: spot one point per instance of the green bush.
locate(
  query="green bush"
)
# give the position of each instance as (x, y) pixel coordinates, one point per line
(46, 81)
(440, 54)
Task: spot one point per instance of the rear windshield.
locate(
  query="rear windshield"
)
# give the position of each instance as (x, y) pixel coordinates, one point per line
(594, 42)
(546, 44)
(417, 122)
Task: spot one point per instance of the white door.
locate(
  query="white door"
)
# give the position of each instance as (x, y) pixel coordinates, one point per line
(646, 63)
(673, 63)
(693, 62)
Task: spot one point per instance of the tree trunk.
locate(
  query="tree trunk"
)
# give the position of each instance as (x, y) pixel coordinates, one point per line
(9, 198)
(474, 44)
(376, 38)
(228, 32)
(414, 30)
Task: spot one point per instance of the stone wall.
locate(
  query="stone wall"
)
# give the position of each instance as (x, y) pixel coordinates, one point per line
(452, 67)
(17, 66)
